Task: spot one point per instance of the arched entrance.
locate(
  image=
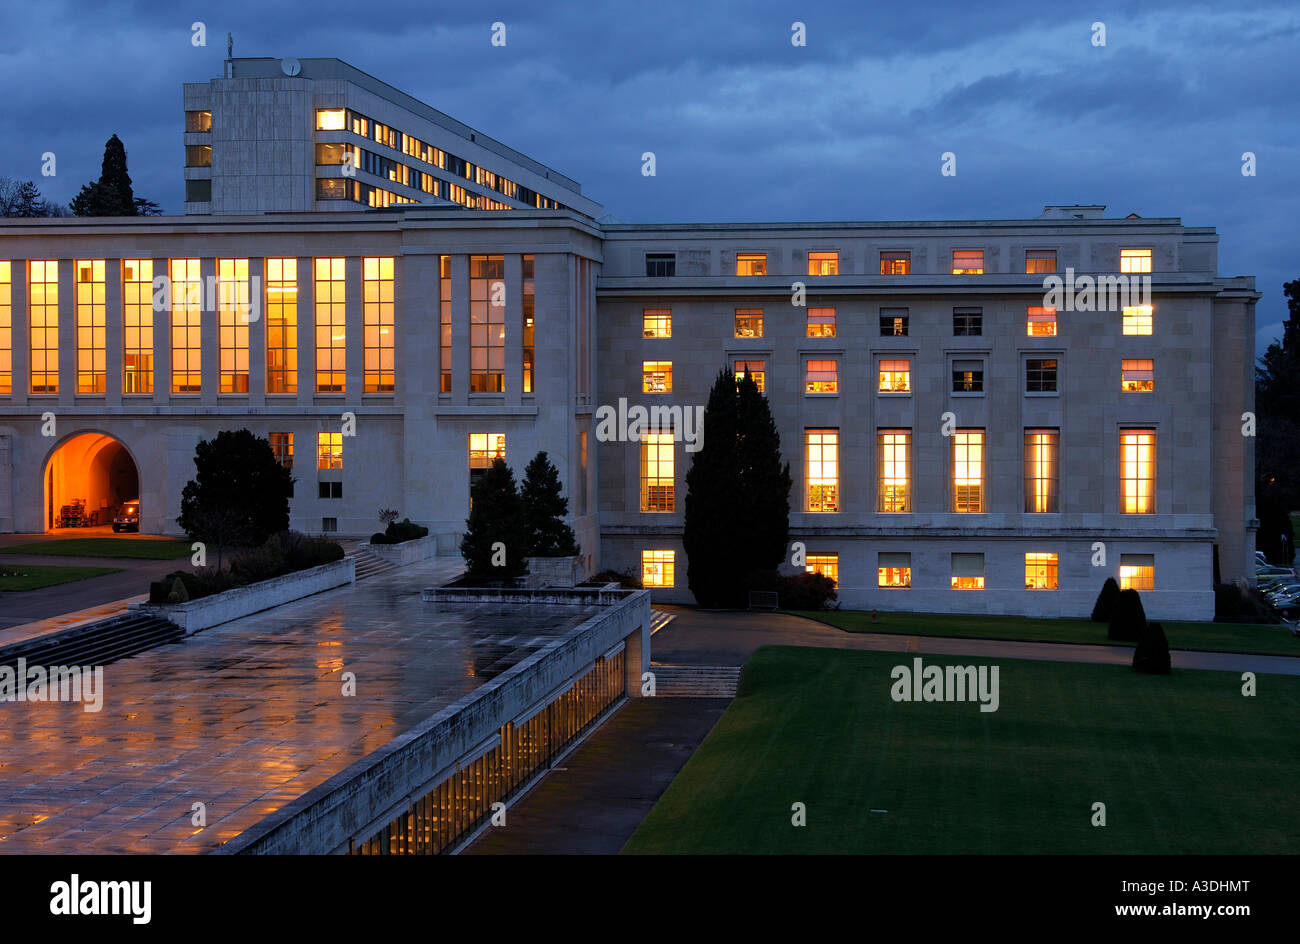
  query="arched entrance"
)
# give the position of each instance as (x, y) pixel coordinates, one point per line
(87, 480)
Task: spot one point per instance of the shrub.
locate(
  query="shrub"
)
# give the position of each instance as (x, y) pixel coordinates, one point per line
(1151, 657)
(404, 530)
(626, 581)
(805, 592)
(379, 538)
(178, 592)
(283, 553)
(158, 591)
(1104, 608)
(1128, 618)
(1232, 604)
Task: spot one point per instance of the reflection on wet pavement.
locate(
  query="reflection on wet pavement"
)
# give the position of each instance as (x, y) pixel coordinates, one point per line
(248, 716)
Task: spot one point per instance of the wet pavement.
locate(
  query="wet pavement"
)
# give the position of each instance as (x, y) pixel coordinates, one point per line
(250, 715)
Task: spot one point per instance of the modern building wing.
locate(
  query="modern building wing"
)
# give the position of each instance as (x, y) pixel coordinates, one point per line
(979, 415)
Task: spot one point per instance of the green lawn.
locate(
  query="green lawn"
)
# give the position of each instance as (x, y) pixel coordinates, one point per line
(139, 548)
(1184, 763)
(1263, 638)
(33, 578)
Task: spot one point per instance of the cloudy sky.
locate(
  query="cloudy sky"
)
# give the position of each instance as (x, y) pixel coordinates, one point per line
(745, 125)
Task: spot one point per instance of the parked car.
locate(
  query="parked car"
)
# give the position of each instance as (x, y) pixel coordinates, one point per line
(1261, 559)
(128, 519)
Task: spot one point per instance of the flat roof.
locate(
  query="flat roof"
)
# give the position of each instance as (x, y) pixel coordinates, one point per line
(249, 716)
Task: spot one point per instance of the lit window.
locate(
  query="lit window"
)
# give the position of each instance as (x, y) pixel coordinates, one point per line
(1137, 376)
(968, 571)
(329, 450)
(1137, 571)
(1138, 471)
(1134, 260)
(895, 263)
(894, 570)
(1041, 571)
(330, 119)
(823, 263)
(749, 322)
(893, 322)
(894, 479)
(1040, 322)
(6, 329)
(281, 325)
(657, 568)
(198, 121)
(822, 471)
(968, 262)
(967, 322)
(187, 304)
(487, 324)
(967, 376)
(282, 446)
(658, 476)
(656, 376)
(377, 302)
(657, 323)
(484, 449)
(828, 565)
(1137, 319)
(822, 377)
(1041, 475)
(91, 350)
(751, 263)
(331, 327)
(198, 155)
(755, 370)
(43, 322)
(233, 313)
(821, 322)
(444, 324)
(1040, 375)
(895, 376)
(968, 471)
(529, 325)
(1040, 261)
(137, 326)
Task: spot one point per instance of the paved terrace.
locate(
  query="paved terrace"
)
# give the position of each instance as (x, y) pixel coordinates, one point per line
(248, 716)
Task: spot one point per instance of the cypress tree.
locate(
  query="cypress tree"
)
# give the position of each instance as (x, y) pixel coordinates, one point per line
(496, 517)
(737, 495)
(544, 510)
(111, 195)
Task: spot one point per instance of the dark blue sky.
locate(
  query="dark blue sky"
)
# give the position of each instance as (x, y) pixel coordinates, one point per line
(745, 126)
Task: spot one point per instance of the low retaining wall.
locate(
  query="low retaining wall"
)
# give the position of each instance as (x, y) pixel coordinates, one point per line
(357, 801)
(552, 571)
(228, 605)
(408, 552)
(564, 596)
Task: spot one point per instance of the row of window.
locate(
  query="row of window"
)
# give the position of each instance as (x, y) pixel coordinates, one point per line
(231, 295)
(1040, 322)
(967, 471)
(341, 119)
(898, 262)
(894, 375)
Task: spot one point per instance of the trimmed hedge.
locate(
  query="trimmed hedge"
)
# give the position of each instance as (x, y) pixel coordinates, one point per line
(1151, 657)
(284, 553)
(1104, 609)
(399, 531)
(1128, 619)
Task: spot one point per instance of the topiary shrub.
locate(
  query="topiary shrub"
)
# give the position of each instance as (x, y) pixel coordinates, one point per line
(626, 581)
(805, 592)
(404, 530)
(1104, 609)
(178, 592)
(378, 538)
(1151, 657)
(158, 591)
(1128, 617)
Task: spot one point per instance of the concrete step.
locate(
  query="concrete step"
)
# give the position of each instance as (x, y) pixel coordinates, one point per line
(696, 681)
(367, 564)
(659, 619)
(97, 643)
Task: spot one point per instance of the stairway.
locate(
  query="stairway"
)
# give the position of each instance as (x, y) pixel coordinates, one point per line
(659, 619)
(96, 643)
(368, 564)
(695, 681)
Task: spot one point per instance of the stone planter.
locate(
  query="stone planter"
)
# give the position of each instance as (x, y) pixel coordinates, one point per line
(552, 571)
(228, 605)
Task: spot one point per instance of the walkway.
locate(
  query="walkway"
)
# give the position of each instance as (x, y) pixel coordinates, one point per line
(247, 716)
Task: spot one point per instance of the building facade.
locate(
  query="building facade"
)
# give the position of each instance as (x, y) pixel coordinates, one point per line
(964, 433)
